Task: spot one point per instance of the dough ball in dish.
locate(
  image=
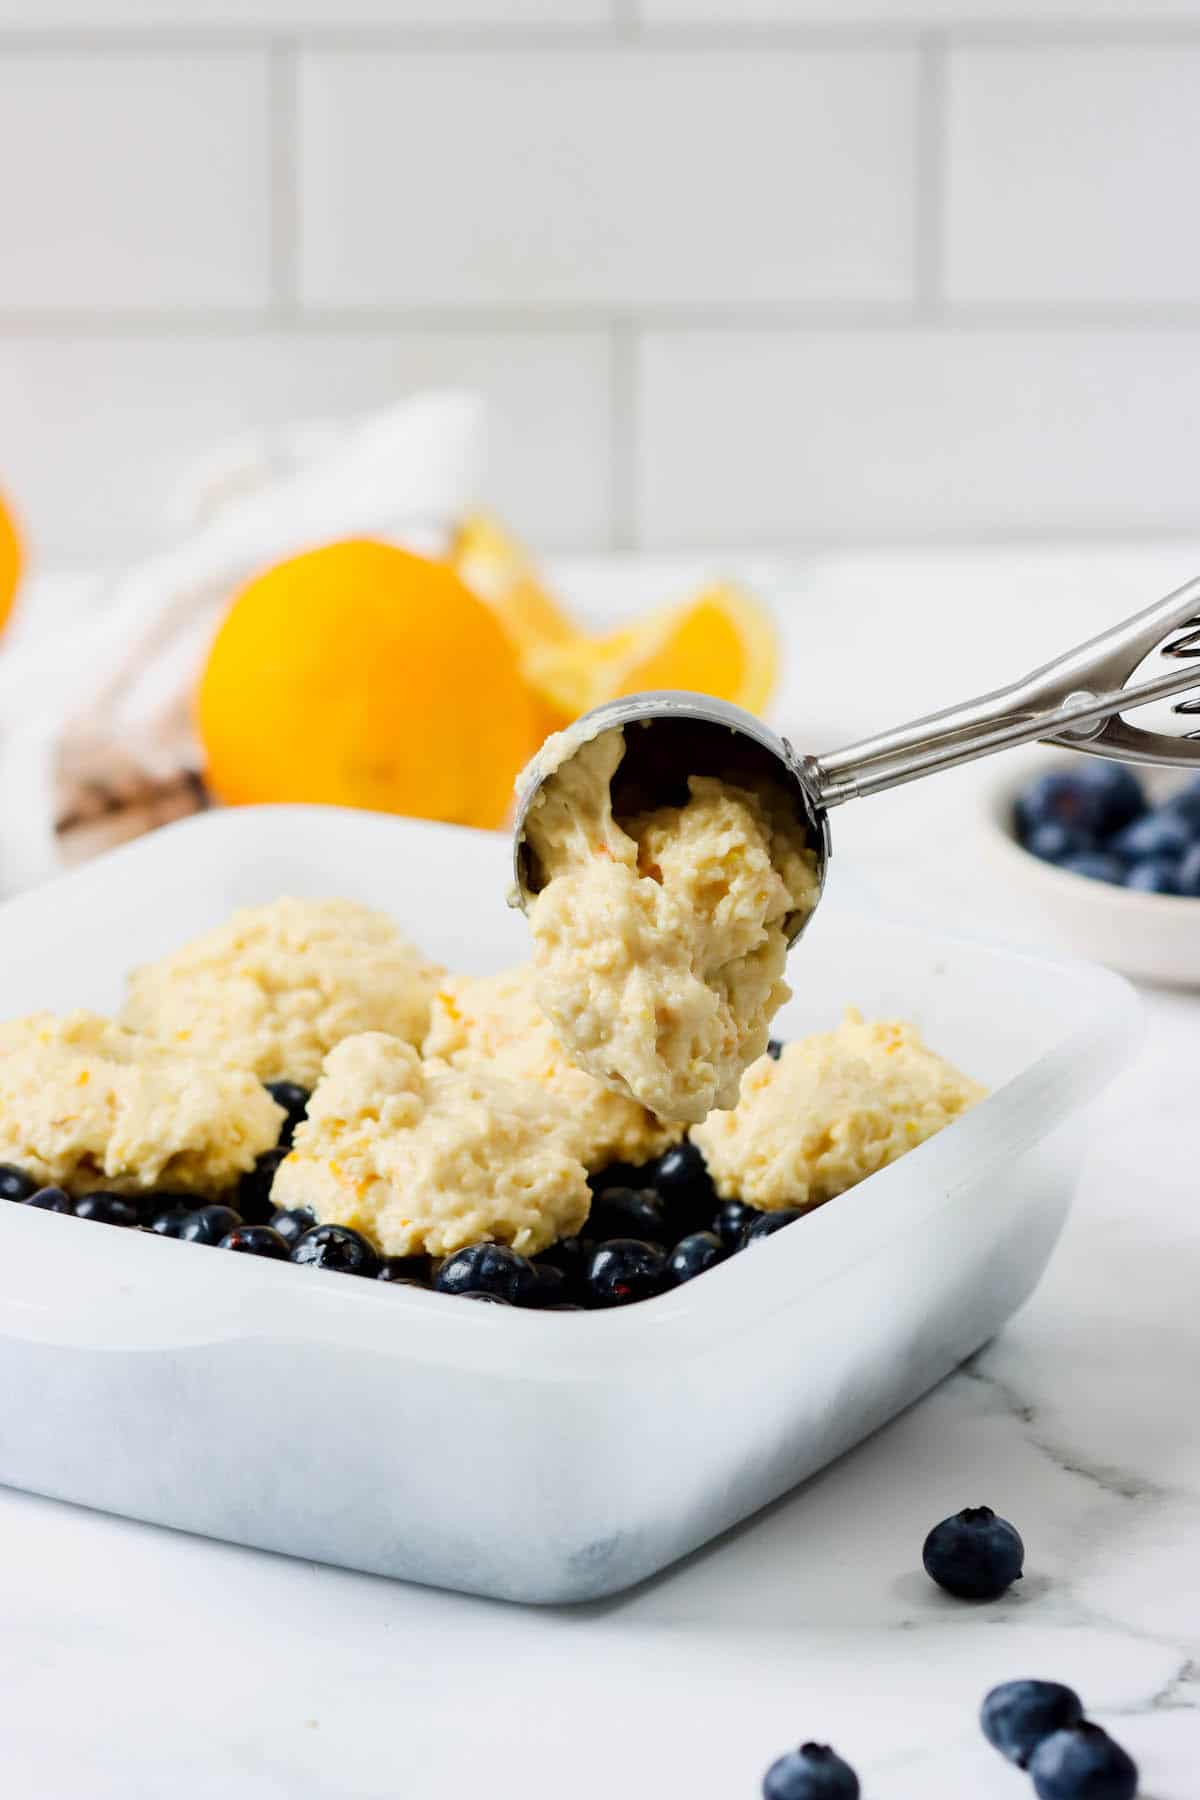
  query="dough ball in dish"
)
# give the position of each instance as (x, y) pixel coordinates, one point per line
(277, 986)
(494, 1022)
(87, 1105)
(833, 1109)
(420, 1156)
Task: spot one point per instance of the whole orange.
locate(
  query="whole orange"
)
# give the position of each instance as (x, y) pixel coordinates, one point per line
(362, 675)
(10, 562)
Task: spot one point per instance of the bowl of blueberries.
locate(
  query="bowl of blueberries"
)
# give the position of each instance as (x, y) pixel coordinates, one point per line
(1107, 859)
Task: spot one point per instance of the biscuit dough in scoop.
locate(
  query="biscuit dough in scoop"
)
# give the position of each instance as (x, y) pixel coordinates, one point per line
(660, 939)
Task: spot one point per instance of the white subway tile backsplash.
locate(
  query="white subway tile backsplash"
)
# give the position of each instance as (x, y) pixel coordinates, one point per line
(608, 178)
(290, 15)
(133, 180)
(1034, 14)
(778, 437)
(1072, 174)
(97, 430)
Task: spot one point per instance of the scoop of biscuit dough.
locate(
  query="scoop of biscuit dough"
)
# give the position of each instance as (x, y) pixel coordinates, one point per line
(87, 1105)
(833, 1109)
(277, 986)
(495, 1023)
(660, 939)
(420, 1156)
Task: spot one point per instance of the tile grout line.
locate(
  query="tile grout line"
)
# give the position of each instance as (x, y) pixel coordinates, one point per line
(929, 167)
(623, 520)
(282, 178)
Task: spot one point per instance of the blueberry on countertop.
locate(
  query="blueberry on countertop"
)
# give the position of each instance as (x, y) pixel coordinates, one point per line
(255, 1240)
(108, 1209)
(683, 1183)
(766, 1224)
(1097, 865)
(974, 1555)
(291, 1222)
(1017, 1715)
(50, 1199)
(1158, 834)
(15, 1184)
(170, 1219)
(254, 1188)
(693, 1255)
(406, 1271)
(813, 1772)
(336, 1247)
(1052, 841)
(623, 1270)
(209, 1224)
(486, 1269)
(628, 1213)
(294, 1100)
(1082, 1763)
(731, 1219)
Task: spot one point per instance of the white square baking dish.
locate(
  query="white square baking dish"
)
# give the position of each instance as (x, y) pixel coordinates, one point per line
(535, 1457)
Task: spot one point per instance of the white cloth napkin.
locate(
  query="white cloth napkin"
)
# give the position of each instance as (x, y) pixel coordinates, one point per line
(96, 740)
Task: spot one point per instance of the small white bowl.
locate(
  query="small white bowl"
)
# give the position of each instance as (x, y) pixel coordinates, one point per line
(1155, 937)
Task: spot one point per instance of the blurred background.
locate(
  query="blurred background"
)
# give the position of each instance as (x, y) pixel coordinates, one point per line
(781, 271)
(887, 311)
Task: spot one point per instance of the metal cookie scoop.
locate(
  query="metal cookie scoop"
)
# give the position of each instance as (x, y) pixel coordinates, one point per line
(1076, 701)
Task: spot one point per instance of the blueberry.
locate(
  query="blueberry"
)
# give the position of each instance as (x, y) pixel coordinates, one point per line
(1052, 841)
(335, 1247)
(568, 1258)
(566, 1306)
(1185, 805)
(489, 1299)
(1154, 875)
(209, 1224)
(108, 1209)
(774, 1049)
(693, 1255)
(294, 1100)
(549, 1287)
(1017, 1715)
(291, 1222)
(974, 1555)
(254, 1188)
(1095, 798)
(1187, 875)
(765, 1225)
(813, 1772)
(685, 1187)
(15, 1184)
(731, 1219)
(50, 1199)
(623, 1270)
(1082, 1763)
(170, 1221)
(405, 1271)
(1097, 865)
(255, 1240)
(621, 1175)
(628, 1213)
(486, 1269)
(1161, 834)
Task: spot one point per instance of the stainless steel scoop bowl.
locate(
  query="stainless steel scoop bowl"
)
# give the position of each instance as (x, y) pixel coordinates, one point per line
(1076, 701)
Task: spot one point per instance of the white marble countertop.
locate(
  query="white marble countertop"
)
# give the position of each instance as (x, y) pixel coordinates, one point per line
(136, 1662)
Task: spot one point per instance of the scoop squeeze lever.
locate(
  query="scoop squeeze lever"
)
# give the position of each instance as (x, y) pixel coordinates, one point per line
(1076, 701)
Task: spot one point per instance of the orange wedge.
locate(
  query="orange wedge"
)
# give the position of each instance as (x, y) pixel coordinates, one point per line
(721, 642)
(504, 576)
